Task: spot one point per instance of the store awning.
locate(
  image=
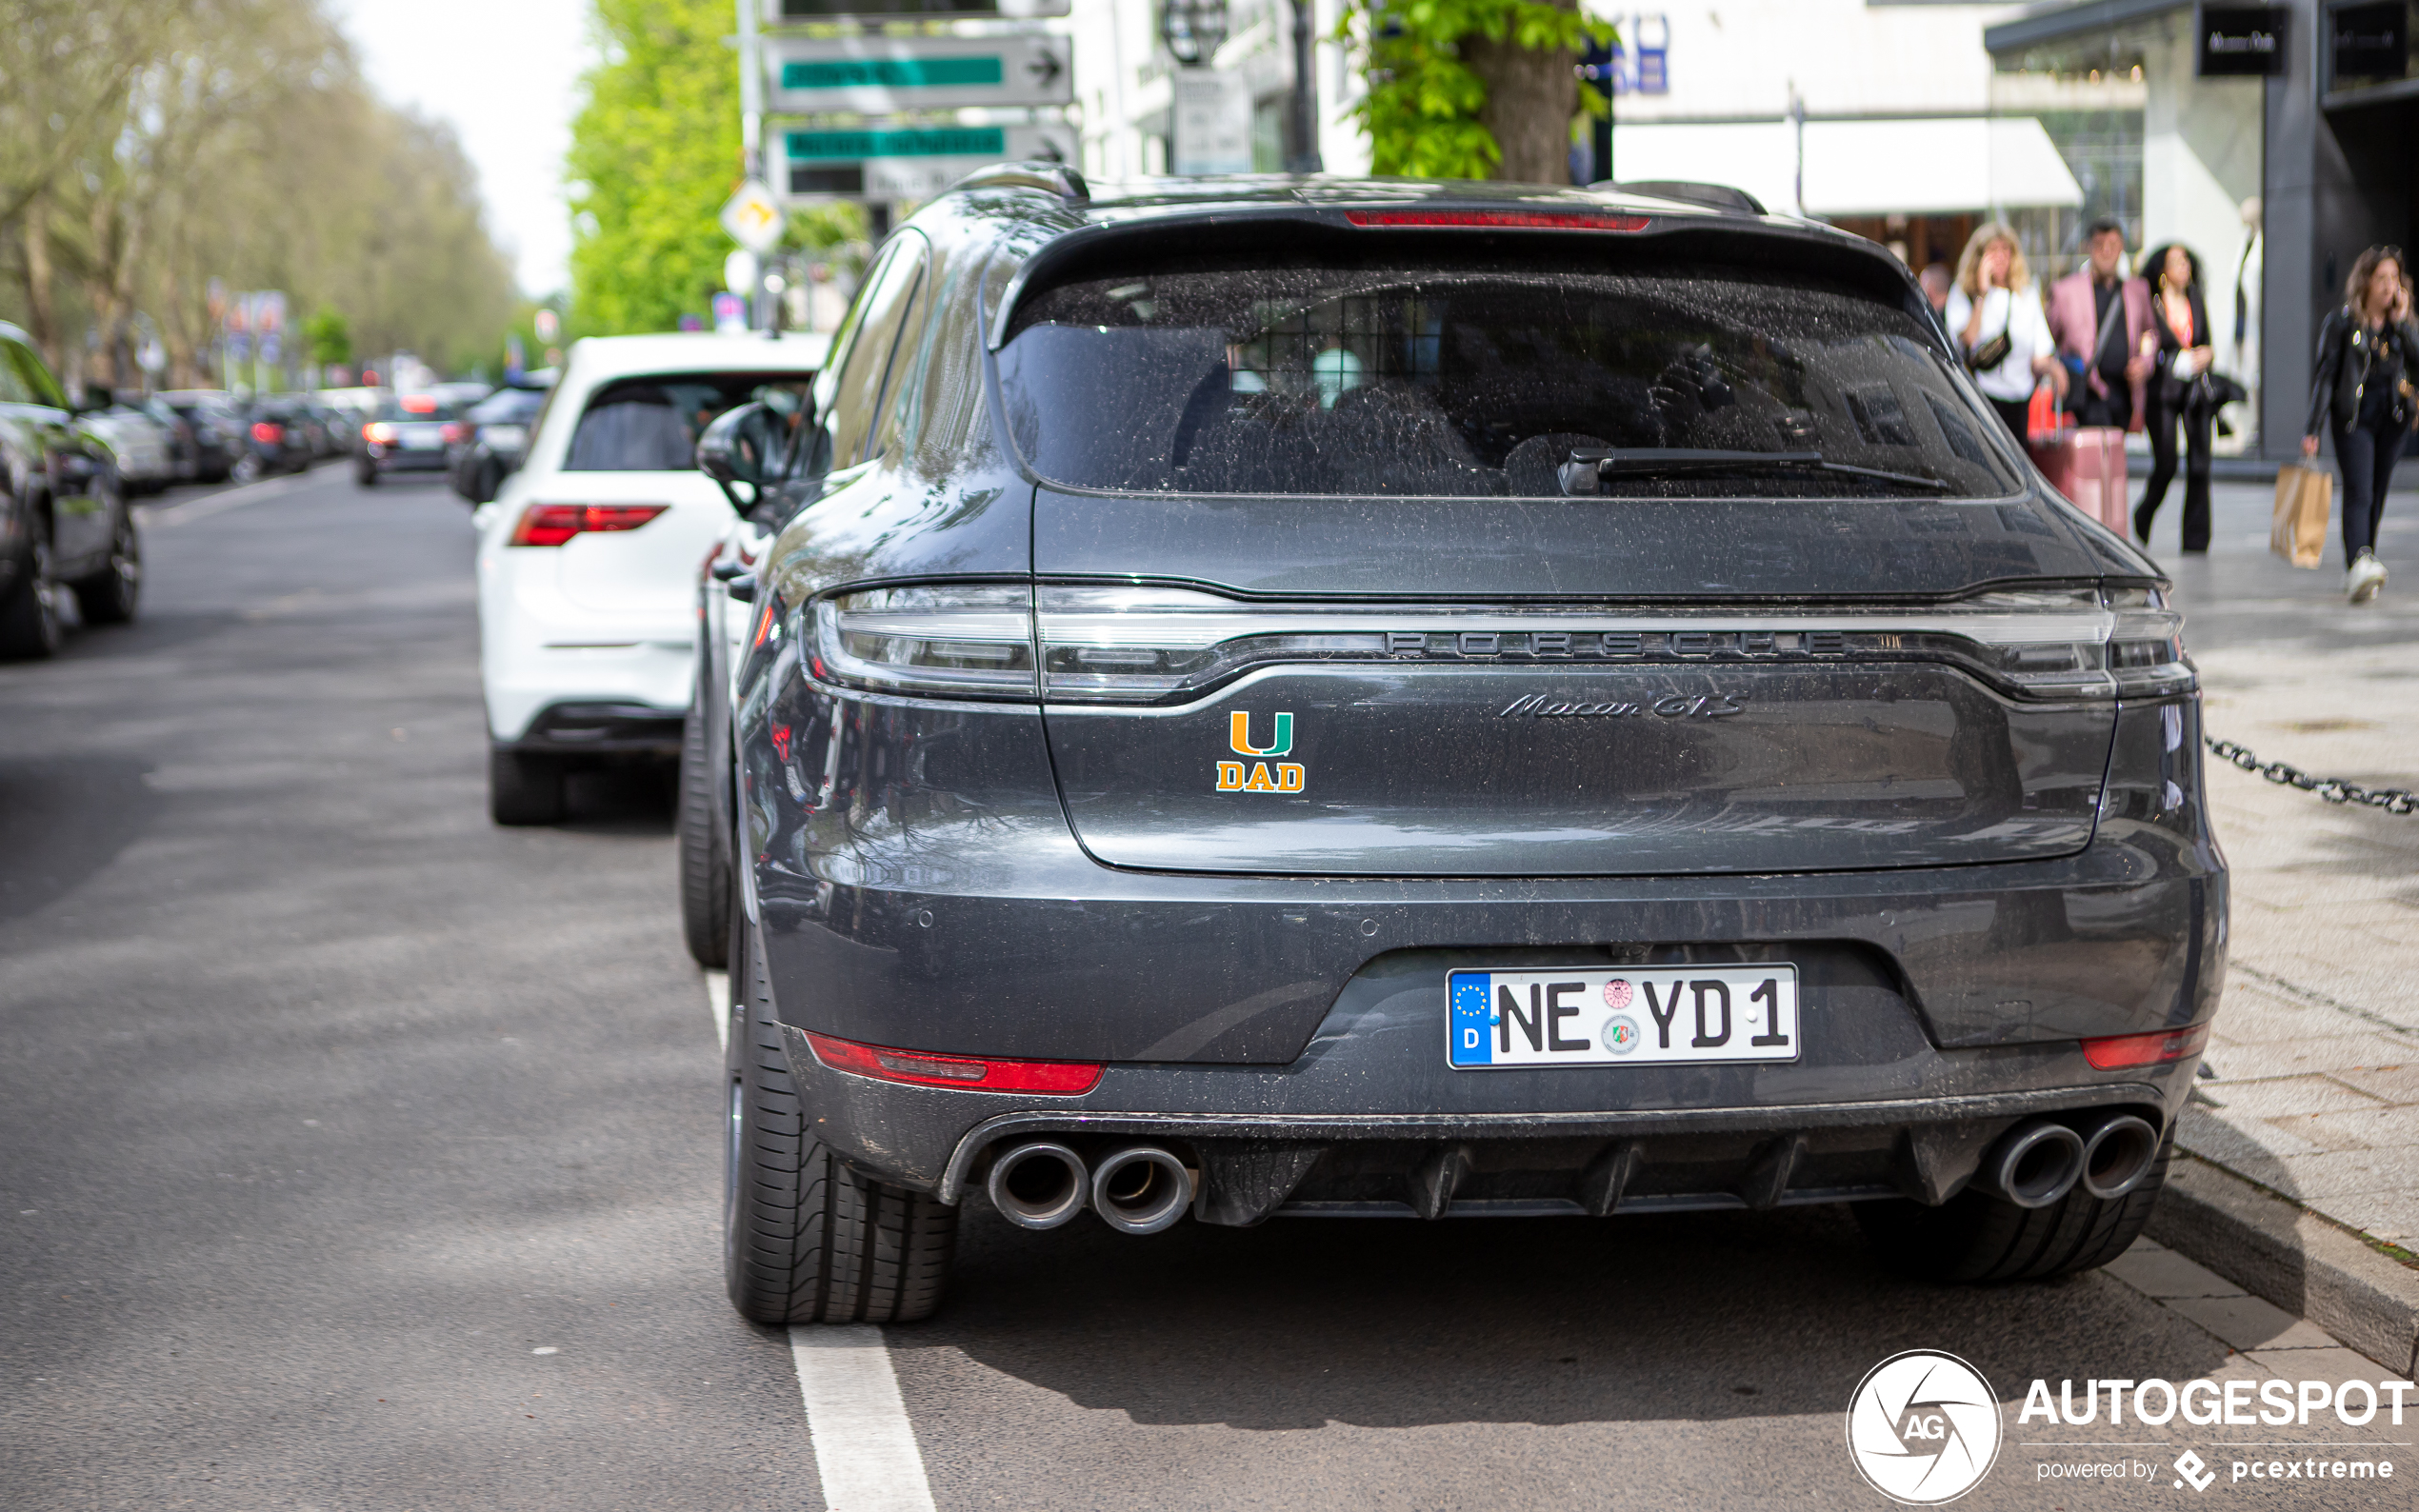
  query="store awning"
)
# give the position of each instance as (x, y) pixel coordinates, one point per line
(1932, 167)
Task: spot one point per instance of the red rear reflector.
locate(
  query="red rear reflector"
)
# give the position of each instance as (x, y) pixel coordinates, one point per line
(263, 430)
(917, 1068)
(454, 433)
(2121, 1051)
(554, 524)
(420, 404)
(1519, 220)
(764, 625)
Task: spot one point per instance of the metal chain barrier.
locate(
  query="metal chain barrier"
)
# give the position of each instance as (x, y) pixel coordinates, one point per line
(2334, 789)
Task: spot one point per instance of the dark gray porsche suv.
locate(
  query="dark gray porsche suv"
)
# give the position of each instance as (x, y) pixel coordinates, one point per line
(1276, 698)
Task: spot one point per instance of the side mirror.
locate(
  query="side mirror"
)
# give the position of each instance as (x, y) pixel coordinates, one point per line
(736, 449)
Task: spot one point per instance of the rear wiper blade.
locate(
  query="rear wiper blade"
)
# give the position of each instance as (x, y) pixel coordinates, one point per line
(1588, 466)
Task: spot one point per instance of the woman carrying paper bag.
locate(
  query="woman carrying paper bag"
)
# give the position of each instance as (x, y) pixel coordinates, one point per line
(2362, 390)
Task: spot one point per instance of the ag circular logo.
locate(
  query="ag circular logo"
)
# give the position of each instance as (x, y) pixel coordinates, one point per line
(1621, 1034)
(1923, 1428)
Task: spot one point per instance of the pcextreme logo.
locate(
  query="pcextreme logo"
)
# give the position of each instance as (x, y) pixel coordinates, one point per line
(1233, 776)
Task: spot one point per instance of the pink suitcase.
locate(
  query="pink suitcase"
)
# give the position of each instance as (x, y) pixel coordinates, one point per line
(2088, 466)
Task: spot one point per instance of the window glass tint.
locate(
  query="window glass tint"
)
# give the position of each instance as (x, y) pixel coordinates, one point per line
(13, 388)
(1434, 378)
(40, 387)
(651, 424)
(510, 406)
(855, 395)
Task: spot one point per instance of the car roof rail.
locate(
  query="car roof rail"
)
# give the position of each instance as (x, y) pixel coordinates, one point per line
(1689, 191)
(1034, 173)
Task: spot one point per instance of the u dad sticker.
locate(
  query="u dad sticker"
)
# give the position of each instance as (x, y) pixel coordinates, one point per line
(1264, 775)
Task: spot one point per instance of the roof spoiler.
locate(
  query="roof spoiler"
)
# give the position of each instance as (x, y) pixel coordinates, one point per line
(1034, 173)
(1687, 192)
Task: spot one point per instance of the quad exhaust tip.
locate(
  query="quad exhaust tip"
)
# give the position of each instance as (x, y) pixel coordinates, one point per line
(2036, 1164)
(1141, 1189)
(1038, 1184)
(2117, 1155)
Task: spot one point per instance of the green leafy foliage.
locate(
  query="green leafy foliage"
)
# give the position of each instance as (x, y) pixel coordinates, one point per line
(655, 153)
(327, 337)
(1423, 106)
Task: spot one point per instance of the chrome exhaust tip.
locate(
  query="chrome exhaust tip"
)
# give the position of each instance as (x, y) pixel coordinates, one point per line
(1141, 1189)
(1037, 1184)
(2117, 1155)
(2037, 1163)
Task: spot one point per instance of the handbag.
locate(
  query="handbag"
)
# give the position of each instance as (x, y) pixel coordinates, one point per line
(1991, 353)
(2305, 498)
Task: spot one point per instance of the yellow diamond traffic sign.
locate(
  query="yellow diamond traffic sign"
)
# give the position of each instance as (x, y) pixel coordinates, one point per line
(753, 218)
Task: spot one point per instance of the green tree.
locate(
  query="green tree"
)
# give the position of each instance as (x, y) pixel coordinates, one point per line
(325, 336)
(655, 153)
(1470, 89)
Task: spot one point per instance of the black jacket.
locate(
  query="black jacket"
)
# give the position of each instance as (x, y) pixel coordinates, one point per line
(2349, 360)
(2166, 388)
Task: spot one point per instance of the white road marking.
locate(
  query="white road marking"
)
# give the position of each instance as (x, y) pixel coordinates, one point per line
(863, 1443)
(718, 1003)
(221, 502)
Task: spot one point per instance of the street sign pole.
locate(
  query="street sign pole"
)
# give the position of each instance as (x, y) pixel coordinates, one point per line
(752, 135)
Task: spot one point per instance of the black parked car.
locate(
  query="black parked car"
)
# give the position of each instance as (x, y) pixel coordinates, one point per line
(490, 441)
(220, 428)
(407, 434)
(64, 522)
(198, 450)
(1401, 699)
(278, 438)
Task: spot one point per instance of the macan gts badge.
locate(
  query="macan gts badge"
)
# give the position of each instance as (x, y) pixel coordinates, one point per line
(1264, 776)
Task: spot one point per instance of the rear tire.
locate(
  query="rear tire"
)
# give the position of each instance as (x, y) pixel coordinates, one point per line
(704, 848)
(524, 789)
(805, 1239)
(108, 597)
(29, 614)
(1976, 1237)
(366, 476)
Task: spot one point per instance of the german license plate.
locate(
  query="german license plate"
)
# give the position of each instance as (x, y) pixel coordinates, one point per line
(1628, 1016)
(421, 441)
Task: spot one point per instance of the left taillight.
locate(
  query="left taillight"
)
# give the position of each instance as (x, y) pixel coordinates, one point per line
(554, 524)
(264, 432)
(378, 431)
(961, 640)
(920, 1068)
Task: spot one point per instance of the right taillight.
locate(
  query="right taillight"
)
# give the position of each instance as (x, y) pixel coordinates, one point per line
(554, 524)
(266, 433)
(2123, 1051)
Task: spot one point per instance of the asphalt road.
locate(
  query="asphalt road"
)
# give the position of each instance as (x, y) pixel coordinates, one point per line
(361, 1155)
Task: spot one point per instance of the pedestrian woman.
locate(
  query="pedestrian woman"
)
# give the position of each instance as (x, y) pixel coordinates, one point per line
(1995, 314)
(2178, 341)
(2367, 352)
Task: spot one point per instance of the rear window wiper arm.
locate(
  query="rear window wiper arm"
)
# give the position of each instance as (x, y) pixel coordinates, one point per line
(1588, 466)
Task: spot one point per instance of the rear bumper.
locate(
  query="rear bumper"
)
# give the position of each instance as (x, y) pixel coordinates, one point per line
(395, 459)
(1336, 1134)
(593, 729)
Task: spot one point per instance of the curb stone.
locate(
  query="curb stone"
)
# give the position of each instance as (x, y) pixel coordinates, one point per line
(2291, 1257)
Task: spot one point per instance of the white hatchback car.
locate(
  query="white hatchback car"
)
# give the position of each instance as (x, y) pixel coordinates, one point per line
(588, 558)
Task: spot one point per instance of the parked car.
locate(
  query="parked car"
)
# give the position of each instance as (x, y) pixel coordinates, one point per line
(490, 441)
(140, 447)
(1403, 699)
(277, 438)
(219, 426)
(64, 521)
(408, 435)
(197, 448)
(586, 558)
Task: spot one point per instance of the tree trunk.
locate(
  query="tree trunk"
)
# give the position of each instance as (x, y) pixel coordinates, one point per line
(41, 304)
(1530, 99)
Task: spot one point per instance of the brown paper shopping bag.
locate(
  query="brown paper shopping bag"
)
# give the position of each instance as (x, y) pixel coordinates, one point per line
(2305, 497)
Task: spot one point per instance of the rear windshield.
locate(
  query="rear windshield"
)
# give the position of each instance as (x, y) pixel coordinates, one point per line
(416, 406)
(651, 425)
(1210, 377)
(510, 406)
